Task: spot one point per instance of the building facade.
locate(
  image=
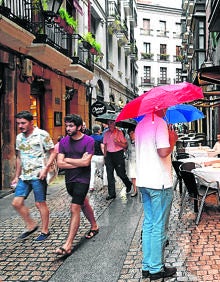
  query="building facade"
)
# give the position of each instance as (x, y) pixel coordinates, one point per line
(159, 44)
(201, 64)
(59, 61)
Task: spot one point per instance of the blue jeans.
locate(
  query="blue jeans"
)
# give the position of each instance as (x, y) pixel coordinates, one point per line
(157, 206)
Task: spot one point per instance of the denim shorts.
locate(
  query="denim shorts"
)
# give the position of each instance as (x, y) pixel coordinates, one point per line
(39, 187)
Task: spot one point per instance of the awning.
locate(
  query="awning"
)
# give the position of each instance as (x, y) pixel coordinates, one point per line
(208, 75)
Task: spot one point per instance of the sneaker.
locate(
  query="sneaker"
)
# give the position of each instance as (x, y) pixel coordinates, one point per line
(145, 273)
(27, 233)
(42, 237)
(166, 272)
(110, 197)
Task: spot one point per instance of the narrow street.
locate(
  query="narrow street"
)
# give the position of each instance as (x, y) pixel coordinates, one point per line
(114, 255)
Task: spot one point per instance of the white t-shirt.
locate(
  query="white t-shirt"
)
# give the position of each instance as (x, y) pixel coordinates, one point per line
(152, 171)
(217, 147)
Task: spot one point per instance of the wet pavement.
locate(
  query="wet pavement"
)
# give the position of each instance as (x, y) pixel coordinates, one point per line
(115, 253)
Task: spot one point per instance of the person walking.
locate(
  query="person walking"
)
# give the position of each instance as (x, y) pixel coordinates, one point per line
(154, 144)
(85, 130)
(115, 144)
(31, 173)
(132, 160)
(75, 154)
(97, 162)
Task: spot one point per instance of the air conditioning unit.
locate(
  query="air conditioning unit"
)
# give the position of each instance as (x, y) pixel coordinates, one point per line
(27, 67)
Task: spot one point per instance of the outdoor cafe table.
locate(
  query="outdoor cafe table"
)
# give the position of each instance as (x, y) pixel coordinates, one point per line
(202, 151)
(198, 160)
(209, 173)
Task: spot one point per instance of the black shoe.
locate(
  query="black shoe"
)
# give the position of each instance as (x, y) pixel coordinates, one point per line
(128, 189)
(167, 243)
(110, 197)
(166, 272)
(27, 233)
(145, 273)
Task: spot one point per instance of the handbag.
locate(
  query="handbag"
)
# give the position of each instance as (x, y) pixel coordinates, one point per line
(53, 169)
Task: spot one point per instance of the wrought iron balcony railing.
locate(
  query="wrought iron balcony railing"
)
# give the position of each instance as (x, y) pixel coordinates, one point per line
(47, 31)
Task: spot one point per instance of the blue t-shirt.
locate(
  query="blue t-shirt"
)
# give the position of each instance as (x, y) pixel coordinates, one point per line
(75, 149)
(98, 140)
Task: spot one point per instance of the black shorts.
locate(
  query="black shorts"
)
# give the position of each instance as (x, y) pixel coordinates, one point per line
(77, 191)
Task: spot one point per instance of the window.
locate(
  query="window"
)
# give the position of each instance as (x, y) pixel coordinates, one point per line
(162, 28)
(146, 24)
(201, 35)
(178, 75)
(147, 48)
(178, 50)
(178, 29)
(147, 74)
(163, 49)
(163, 75)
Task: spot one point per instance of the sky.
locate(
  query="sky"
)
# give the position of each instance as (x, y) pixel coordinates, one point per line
(164, 3)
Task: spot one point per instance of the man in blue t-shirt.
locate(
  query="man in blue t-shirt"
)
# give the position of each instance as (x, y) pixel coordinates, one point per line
(75, 154)
(97, 163)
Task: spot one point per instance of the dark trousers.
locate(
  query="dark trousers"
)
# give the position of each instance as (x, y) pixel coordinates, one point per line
(115, 161)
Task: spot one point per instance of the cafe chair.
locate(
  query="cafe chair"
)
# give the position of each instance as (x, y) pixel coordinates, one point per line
(176, 166)
(198, 189)
(180, 156)
(189, 166)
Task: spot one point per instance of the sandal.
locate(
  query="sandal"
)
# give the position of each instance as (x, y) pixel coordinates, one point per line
(91, 233)
(63, 252)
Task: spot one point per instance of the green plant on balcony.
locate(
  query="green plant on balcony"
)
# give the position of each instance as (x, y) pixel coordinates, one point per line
(179, 58)
(146, 55)
(164, 57)
(91, 44)
(115, 26)
(67, 18)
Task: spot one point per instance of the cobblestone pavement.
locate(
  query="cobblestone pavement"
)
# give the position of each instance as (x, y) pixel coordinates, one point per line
(194, 250)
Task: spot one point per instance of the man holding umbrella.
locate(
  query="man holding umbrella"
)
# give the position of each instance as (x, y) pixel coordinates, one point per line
(154, 144)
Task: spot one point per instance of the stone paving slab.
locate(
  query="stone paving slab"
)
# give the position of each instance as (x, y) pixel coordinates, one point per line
(194, 250)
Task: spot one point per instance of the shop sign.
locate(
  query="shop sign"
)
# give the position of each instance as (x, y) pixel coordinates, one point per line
(98, 108)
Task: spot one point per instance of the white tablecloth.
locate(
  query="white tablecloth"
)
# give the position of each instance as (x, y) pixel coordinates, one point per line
(198, 160)
(209, 173)
(200, 151)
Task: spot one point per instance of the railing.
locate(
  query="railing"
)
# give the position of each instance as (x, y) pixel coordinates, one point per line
(163, 57)
(147, 81)
(163, 81)
(24, 14)
(113, 10)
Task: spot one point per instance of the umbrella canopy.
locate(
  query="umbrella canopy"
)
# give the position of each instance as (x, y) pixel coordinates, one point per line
(159, 98)
(107, 116)
(127, 123)
(182, 113)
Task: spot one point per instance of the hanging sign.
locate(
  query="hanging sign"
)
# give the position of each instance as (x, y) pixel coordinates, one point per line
(98, 108)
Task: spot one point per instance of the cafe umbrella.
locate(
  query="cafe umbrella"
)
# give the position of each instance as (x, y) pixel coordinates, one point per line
(182, 113)
(161, 97)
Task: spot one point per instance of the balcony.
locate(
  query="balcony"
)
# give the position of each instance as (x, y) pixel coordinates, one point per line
(162, 33)
(147, 56)
(178, 58)
(14, 36)
(113, 11)
(25, 30)
(163, 57)
(128, 7)
(162, 81)
(147, 81)
(144, 31)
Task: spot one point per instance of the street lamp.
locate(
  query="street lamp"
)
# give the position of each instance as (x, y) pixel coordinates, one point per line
(50, 8)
